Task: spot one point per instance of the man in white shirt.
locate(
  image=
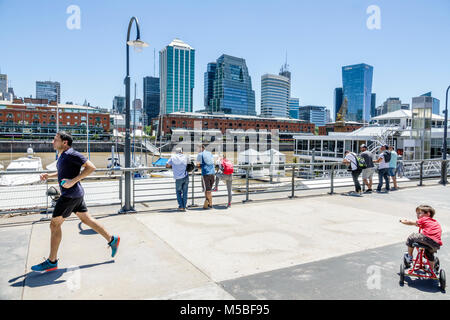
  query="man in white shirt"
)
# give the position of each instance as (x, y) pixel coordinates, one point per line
(350, 159)
(178, 163)
(383, 169)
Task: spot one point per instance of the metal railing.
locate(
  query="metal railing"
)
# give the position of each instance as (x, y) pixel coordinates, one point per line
(106, 186)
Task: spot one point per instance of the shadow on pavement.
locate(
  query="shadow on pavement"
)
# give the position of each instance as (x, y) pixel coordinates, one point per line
(35, 279)
(87, 231)
(425, 285)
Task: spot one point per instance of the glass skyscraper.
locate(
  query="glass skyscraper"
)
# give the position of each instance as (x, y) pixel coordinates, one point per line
(338, 99)
(232, 87)
(357, 88)
(209, 85)
(313, 114)
(275, 92)
(50, 90)
(119, 104)
(151, 98)
(176, 70)
(294, 105)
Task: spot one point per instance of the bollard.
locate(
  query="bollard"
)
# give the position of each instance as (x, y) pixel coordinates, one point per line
(421, 174)
(293, 182)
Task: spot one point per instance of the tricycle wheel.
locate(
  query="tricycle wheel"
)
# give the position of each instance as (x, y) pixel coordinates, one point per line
(402, 274)
(442, 279)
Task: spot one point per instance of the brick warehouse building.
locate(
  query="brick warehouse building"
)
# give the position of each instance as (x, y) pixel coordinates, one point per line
(186, 120)
(37, 118)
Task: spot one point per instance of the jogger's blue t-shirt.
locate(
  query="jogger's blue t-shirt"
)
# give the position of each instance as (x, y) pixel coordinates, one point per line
(69, 166)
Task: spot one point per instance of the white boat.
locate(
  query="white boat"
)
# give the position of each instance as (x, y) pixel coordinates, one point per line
(28, 163)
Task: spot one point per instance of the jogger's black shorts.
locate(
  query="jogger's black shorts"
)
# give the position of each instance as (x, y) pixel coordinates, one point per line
(65, 206)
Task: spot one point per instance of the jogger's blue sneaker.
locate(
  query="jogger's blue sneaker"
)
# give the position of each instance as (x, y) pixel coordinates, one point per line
(45, 266)
(114, 244)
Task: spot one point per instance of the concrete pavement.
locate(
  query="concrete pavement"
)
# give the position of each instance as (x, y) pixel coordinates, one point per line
(323, 247)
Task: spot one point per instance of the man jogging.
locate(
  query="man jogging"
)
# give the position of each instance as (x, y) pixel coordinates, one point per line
(71, 200)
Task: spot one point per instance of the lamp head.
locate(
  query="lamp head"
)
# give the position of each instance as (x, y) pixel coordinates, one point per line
(137, 44)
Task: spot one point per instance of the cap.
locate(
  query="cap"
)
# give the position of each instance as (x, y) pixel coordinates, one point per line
(363, 146)
(386, 146)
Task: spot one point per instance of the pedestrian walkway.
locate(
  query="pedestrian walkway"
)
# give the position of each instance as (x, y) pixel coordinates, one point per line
(322, 247)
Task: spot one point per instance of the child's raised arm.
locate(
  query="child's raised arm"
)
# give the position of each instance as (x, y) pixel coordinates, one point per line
(408, 222)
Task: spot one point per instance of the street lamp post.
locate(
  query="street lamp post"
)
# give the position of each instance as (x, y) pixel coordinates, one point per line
(444, 145)
(138, 43)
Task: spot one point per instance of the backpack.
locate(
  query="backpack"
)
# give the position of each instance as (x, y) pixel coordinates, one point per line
(227, 166)
(190, 166)
(387, 156)
(360, 162)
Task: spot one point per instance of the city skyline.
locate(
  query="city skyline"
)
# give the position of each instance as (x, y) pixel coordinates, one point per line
(403, 73)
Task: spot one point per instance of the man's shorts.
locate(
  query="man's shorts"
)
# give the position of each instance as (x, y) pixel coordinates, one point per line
(392, 172)
(65, 206)
(209, 181)
(432, 246)
(368, 173)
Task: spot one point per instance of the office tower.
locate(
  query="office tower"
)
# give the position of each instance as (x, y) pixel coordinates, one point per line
(137, 104)
(294, 104)
(313, 114)
(373, 105)
(328, 116)
(119, 104)
(275, 91)
(338, 98)
(209, 85)
(50, 90)
(176, 69)
(3, 85)
(232, 87)
(152, 98)
(357, 88)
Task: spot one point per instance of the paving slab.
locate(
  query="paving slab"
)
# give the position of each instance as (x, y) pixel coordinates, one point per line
(13, 252)
(144, 266)
(365, 275)
(263, 236)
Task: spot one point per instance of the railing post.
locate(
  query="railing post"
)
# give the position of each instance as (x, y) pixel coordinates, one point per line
(192, 188)
(421, 174)
(46, 196)
(247, 185)
(332, 180)
(443, 172)
(293, 182)
(120, 189)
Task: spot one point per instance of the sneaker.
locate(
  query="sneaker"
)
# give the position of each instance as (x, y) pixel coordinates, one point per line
(407, 259)
(368, 191)
(114, 244)
(229, 205)
(214, 189)
(45, 266)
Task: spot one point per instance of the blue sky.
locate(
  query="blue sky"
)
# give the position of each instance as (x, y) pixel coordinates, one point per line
(410, 53)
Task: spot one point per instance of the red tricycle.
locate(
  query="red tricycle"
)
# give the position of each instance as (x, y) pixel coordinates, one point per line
(421, 267)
